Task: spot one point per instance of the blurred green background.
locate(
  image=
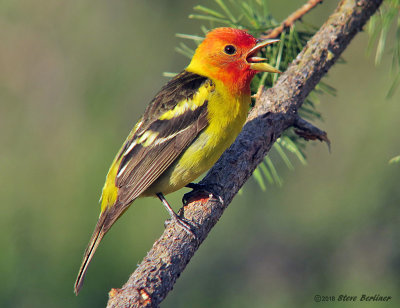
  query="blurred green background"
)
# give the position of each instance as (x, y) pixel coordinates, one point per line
(74, 78)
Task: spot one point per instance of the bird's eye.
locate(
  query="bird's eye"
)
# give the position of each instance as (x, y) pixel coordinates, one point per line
(230, 49)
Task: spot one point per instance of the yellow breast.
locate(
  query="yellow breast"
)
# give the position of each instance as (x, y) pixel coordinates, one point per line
(226, 116)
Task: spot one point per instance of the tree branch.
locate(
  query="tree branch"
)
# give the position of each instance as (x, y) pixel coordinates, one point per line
(288, 22)
(275, 110)
(309, 132)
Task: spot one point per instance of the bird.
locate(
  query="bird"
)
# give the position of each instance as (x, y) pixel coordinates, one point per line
(192, 120)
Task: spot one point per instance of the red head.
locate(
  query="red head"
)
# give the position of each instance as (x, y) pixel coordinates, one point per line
(228, 55)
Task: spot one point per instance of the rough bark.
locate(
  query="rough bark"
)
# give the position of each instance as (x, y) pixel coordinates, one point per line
(275, 111)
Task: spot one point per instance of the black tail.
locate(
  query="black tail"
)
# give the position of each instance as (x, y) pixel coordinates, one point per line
(106, 220)
(94, 242)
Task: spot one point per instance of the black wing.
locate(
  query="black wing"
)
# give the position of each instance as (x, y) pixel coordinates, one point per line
(141, 164)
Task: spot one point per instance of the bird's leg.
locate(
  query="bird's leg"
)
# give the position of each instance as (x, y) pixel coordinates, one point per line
(184, 225)
(199, 191)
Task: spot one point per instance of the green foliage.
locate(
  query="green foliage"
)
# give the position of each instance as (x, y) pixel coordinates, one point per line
(255, 17)
(395, 160)
(381, 25)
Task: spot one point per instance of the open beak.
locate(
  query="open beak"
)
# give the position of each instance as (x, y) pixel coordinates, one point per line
(256, 62)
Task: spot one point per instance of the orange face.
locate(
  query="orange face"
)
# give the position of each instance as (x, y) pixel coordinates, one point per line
(229, 55)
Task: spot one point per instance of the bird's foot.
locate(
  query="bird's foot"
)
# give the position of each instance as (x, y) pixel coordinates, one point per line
(200, 191)
(181, 222)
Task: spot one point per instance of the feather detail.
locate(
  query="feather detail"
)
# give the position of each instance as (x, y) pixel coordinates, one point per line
(170, 123)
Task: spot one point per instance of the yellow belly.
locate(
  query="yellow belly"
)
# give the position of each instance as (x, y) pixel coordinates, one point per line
(203, 153)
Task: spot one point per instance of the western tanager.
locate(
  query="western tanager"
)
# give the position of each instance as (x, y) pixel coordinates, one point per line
(184, 130)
